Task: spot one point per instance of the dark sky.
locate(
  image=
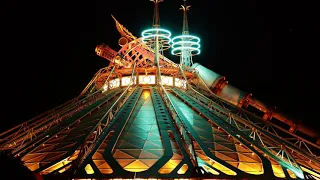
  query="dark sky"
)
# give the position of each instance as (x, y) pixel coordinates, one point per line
(268, 48)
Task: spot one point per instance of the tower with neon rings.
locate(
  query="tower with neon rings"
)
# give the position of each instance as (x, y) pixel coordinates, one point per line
(185, 45)
(156, 38)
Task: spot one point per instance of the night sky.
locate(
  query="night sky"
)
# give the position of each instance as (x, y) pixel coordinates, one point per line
(268, 48)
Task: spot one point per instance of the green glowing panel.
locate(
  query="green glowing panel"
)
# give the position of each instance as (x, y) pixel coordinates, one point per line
(140, 145)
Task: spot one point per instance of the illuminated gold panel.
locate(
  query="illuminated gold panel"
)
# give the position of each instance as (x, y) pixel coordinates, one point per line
(213, 163)
(61, 163)
(183, 169)
(32, 160)
(125, 81)
(291, 174)
(175, 159)
(64, 169)
(169, 166)
(251, 168)
(32, 166)
(136, 166)
(98, 158)
(101, 163)
(89, 169)
(278, 171)
(223, 168)
(210, 170)
(229, 150)
(249, 162)
(146, 94)
(149, 79)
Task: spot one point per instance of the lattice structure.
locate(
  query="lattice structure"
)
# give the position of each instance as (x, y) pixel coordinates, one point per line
(191, 125)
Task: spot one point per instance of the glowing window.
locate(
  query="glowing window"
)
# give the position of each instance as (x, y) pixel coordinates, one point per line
(125, 81)
(167, 80)
(114, 83)
(149, 79)
(180, 83)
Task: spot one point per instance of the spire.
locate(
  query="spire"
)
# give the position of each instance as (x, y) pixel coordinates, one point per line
(156, 38)
(185, 45)
(123, 31)
(156, 22)
(185, 8)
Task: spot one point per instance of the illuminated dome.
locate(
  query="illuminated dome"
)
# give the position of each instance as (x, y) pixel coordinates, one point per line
(138, 120)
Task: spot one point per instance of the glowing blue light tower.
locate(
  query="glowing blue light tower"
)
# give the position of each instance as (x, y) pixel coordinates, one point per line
(156, 38)
(185, 45)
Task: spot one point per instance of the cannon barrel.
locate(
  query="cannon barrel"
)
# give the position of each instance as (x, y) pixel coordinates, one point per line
(218, 84)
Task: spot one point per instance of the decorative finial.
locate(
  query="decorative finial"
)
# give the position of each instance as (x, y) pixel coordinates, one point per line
(156, 13)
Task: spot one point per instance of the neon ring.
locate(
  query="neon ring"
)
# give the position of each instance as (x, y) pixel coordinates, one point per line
(186, 38)
(149, 35)
(178, 50)
(185, 43)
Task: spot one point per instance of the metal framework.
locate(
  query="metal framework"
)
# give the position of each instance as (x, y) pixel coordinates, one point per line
(137, 120)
